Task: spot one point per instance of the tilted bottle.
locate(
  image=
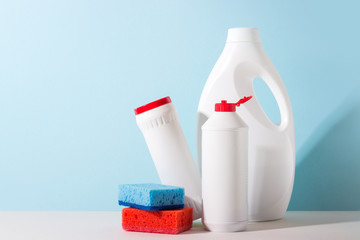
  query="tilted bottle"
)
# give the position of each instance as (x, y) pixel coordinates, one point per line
(158, 121)
(271, 147)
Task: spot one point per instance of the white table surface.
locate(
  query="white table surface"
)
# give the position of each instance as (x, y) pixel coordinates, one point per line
(107, 226)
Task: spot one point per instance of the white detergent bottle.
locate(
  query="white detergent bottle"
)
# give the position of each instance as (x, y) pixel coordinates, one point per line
(271, 147)
(158, 121)
(225, 169)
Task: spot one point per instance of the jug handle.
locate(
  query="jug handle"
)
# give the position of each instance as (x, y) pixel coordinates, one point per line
(273, 80)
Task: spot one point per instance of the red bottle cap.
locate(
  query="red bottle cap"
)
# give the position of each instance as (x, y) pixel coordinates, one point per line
(152, 105)
(224, 106)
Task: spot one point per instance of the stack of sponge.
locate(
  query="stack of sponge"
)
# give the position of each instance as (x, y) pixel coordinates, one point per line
(154, 208)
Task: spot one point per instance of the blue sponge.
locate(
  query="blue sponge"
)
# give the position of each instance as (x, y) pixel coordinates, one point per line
(151, 196)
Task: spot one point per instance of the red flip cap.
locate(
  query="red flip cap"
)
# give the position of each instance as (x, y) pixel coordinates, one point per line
(152, 105)
(224, 106)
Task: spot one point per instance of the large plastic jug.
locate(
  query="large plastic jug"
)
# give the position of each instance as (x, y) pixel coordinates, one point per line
(271, 147)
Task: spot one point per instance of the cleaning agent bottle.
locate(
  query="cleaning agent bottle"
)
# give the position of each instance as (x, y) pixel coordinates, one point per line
(271, 146)
(225, 169)
(169, 150)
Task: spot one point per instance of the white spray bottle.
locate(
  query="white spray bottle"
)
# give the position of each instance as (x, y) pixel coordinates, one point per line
(225, 169)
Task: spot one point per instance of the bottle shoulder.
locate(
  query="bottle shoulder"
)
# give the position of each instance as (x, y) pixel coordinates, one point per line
(224, 121)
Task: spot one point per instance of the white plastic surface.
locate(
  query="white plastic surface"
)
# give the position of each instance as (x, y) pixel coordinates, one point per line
(171, 153)
(224, 172)
(107, 226)
(271, 147)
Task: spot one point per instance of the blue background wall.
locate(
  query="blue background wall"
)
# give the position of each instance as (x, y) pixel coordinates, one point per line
(71, 73)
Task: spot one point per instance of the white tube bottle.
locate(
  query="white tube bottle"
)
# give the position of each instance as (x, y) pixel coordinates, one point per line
(225, 169)
(169, 150)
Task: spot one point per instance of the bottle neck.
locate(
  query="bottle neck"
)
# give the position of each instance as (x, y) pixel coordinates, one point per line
(243, 34)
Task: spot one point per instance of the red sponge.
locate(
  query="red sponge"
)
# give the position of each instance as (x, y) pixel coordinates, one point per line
(165, 221)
